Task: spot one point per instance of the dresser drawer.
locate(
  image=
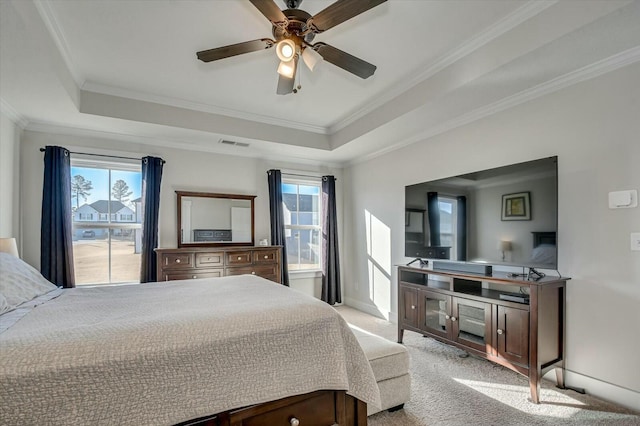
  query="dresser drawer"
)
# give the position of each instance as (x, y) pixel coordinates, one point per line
(265, 256)
(191, 275)
(317, 409)
(266, 271)
(206, 260)
(177, 260)
(239, 258)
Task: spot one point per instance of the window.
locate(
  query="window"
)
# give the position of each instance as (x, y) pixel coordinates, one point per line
(107, 226)
(448, 223)
(303, 226)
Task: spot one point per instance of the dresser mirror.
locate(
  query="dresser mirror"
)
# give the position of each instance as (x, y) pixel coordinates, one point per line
(208, 219)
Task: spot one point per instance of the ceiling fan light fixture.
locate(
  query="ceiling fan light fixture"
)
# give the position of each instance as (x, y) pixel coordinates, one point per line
(287, 69)
(311, 58)
(286, 50)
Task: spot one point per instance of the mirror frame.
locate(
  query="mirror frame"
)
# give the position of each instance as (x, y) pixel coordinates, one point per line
(181, 194)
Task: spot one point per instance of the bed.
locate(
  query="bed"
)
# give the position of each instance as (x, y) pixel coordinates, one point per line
(544, 253)
(171, 352)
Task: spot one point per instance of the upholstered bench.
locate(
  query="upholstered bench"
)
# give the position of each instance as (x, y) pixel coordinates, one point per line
(390, 364)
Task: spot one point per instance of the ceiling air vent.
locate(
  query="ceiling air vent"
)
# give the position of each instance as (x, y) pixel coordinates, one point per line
(240, 144)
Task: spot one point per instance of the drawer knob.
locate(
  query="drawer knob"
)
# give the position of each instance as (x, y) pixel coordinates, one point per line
(447, 317)
(500, 331)
(239, 257)
(195, 276)
(266, 257)
(413, 306)
(453, 318)
(253, 272)
(294, 422)
(177, 260)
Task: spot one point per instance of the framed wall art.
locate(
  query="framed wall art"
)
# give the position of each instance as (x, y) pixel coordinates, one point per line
(516, 206)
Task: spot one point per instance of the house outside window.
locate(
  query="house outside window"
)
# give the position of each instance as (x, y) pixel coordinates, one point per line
(107, 223)
(303, 226)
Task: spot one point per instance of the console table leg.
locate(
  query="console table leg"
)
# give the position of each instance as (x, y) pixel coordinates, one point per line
(400, 334)
(534, 384)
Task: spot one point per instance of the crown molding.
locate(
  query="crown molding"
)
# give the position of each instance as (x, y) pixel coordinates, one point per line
(201, 107)
(504, 25)
(13, 115)
(50, 20)
(585, 73)
(178, 144)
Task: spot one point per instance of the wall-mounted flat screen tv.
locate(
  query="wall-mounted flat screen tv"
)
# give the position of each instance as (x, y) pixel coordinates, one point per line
(502, 216)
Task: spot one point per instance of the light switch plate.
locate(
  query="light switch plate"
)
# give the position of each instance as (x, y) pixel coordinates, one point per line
(635, 241)
(623, 199)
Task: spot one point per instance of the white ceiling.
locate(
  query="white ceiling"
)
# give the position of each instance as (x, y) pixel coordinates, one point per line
(127, 70)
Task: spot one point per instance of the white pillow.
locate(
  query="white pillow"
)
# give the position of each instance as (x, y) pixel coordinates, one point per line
(20, 282)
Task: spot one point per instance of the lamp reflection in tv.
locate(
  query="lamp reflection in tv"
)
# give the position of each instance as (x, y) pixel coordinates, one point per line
(504, 246)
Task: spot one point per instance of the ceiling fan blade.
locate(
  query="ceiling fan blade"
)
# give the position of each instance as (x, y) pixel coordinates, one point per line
(272, 12)
(338, 12)
(347, 62)
(235, 49)
(286, 85)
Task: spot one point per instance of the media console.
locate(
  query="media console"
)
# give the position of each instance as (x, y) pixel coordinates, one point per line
(488, 316)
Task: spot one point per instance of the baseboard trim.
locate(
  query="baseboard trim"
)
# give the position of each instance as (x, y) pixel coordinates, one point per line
(370, 309)
(607, 391)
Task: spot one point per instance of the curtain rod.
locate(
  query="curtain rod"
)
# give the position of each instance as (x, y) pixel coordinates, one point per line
(103, 155)
(301, 175)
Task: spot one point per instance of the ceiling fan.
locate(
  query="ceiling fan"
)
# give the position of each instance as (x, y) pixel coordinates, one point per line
(294, 30)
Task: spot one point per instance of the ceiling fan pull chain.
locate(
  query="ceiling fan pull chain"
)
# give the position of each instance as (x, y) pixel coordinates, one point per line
(299, 76)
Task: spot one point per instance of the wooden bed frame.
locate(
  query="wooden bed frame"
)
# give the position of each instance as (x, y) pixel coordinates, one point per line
(321, 408)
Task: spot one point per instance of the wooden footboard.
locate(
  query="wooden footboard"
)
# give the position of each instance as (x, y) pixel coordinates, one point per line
(321, 408)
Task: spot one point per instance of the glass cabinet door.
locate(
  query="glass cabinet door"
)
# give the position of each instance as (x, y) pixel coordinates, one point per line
(435, 311)
(471, 323)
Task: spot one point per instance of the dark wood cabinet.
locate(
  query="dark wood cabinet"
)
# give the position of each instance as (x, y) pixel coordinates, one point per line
(512, 334)
(466, 310)
(408, 310)
(207, 262)
(320, 408)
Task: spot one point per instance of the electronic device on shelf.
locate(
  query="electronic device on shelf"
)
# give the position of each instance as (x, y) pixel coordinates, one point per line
(518, 298)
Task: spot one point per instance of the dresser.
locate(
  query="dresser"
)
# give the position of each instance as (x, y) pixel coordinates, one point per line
(208, 262)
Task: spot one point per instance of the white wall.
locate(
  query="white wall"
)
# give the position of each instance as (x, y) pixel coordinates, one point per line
(9, 168)
(184, 170)
(593, 127)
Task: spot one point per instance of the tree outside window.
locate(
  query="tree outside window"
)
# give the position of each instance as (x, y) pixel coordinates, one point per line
(106, 227)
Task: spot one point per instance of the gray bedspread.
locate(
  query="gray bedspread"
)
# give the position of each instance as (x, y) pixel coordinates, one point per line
(162, 353)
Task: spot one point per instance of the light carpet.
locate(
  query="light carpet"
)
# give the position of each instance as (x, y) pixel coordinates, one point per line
(450, 389)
